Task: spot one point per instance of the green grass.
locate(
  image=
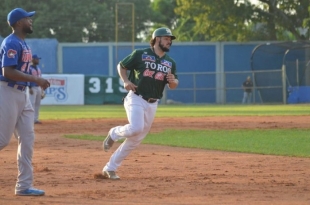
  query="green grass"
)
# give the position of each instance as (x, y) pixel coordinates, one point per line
(118, 111)
(275, 142)
(285, 142)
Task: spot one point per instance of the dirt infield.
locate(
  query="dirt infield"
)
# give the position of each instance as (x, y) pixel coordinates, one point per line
(65, 168)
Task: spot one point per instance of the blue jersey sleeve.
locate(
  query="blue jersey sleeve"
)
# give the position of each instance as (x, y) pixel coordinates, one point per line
(15, 52)
(11, 52)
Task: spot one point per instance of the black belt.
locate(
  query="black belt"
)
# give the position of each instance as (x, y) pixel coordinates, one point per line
(149, 100)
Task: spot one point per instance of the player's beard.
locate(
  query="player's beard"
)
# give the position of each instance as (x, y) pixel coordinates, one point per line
(161, 46)
(28, 30)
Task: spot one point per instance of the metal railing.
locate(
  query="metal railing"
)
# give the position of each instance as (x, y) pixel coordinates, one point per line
(226, 87)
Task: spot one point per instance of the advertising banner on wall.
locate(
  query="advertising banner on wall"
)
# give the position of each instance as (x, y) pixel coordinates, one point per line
(64, 89)
(103, 90)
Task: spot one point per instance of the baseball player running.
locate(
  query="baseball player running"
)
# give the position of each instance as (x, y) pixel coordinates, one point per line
(35, 90)
(15, 107)
(150, 70)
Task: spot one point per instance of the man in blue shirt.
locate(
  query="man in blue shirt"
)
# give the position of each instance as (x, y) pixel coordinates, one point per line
(15, 107)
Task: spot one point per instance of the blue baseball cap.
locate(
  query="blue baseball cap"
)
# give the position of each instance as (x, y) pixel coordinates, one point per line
(35, 56)
(18, 14)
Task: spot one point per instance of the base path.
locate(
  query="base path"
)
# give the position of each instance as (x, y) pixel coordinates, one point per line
(67, 169)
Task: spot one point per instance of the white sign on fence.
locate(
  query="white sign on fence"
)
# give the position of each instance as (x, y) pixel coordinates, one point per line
(64, 89)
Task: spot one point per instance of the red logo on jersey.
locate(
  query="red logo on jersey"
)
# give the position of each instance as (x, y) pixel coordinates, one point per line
(148, 73)
(26, 56)
(11, 53)
(160, 76)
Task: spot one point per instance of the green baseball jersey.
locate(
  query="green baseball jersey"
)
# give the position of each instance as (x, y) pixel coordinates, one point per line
(148, 71)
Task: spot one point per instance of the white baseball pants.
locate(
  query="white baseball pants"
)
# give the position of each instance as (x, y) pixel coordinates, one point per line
(140, 115)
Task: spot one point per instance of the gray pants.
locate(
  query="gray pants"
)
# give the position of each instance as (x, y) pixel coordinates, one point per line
(17, 113)
(35, 99)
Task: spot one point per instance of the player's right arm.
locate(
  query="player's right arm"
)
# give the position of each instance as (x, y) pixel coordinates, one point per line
(11, 73)
(128, 85)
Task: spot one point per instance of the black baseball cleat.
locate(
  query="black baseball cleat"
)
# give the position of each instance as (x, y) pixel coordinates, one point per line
(107, 143)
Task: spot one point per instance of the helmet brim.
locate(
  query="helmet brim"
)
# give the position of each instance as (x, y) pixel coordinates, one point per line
(172, 37)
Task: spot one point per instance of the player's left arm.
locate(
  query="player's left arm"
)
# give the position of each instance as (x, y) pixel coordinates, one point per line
(172, 81)
(172, 77)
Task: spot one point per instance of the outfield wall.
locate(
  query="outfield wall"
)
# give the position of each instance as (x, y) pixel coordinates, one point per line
(209, 72)
(192, 57)
(78, 89)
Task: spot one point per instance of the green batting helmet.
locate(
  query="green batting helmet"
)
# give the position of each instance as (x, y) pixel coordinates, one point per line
(163, 32)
